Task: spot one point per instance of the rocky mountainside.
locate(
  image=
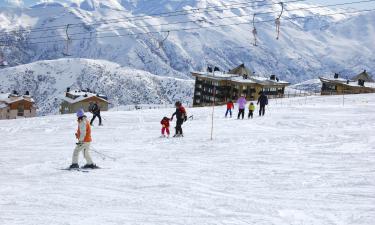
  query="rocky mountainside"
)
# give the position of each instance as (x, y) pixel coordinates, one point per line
(47, 81)
(308, 46)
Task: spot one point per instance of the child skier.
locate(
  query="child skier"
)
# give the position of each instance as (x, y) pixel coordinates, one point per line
(230, 106)
(83, 135)
(181, 117)
(251, 110)
(165, 126)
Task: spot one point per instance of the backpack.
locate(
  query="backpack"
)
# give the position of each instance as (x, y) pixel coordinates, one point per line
(183, 112)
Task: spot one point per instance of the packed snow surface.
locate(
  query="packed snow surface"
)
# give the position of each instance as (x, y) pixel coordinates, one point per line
(308, 161)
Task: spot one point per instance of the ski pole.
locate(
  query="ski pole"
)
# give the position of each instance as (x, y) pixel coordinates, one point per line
(104, 156)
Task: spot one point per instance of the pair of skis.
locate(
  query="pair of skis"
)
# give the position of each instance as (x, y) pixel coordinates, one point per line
(79, 169)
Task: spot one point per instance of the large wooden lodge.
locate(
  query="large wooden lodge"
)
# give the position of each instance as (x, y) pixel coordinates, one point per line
(14, 105)
(81, 99)
(218, 87)
(361, 83)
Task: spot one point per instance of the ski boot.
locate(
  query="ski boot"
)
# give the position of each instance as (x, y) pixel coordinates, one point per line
(90, 166)
(74, 166)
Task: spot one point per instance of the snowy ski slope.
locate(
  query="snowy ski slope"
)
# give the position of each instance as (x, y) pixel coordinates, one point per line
(309, 161)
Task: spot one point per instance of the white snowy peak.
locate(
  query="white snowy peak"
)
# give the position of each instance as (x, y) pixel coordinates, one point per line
(313, 41)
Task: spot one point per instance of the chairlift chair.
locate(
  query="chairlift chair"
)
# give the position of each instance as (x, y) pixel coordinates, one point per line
(67, 42)
(278, 22)
(161, 43)
(3, 62)
(255, 32)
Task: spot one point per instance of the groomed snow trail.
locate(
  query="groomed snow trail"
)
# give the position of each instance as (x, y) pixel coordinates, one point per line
(309, 161)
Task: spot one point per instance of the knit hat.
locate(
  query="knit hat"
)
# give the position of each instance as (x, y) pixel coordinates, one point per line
(80, 113)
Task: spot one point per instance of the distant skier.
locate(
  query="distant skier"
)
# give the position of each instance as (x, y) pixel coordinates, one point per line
(263, 101)
(230, 106)
(181, 117)
(95, 110)
(241, 106)
(165, 126)
(251, 110)
(83, 135)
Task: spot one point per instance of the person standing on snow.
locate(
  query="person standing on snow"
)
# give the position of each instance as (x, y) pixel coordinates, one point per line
(251, 110)
(165, 126)
(95, 110)
(241, 106)
(230, 106)
(83, 135)
(263, 101)
(181, 117)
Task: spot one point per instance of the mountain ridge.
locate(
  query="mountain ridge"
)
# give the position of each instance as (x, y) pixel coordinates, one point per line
(309, 46)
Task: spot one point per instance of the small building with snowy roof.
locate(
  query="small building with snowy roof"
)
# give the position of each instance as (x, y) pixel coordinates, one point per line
(361, 83)
(74, 100)
(14, 105)
(218, 87)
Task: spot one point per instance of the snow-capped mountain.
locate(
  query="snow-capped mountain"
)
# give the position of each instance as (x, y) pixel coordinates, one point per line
(308, 47)
(47, 81)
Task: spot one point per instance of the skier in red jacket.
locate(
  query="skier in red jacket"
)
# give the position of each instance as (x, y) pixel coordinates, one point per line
(165, 126)
(230, 106)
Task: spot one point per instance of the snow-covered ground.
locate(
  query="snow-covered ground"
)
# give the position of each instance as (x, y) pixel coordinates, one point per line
(309, 161)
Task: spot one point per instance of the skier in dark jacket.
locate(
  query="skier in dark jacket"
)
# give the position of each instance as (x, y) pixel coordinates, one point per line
(181, 117)
(95, 110)
(263, 101)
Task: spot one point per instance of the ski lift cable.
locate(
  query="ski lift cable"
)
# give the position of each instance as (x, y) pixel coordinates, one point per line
(205, 27)
(197, 28)
(194, 21)
(151, 16)
(305, 8)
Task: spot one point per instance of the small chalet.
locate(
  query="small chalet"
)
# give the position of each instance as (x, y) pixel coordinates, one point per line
(361, 83)
(230, 85)
(14, 105)
(75, 100)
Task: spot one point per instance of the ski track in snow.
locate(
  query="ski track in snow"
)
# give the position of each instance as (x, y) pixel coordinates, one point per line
(309, 161)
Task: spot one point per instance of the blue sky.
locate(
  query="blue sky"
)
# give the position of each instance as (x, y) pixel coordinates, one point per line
(323, 2)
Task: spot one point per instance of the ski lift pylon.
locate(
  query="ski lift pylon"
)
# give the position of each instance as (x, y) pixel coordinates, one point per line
(67, 42)
(278, 22)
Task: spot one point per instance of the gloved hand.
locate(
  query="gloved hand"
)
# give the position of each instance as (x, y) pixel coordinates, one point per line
(79, 143)
(185, 119)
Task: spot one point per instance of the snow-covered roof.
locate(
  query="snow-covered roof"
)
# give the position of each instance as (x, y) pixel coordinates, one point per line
(9, 98)
(346, 82)
(81, 96)
(3, 105)
(237, 78)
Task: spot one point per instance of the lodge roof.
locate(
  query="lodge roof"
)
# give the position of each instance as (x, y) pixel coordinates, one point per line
(241, 70)
(79, 96)
(346, 82)
(219, 76)
(363, 76)
(8, 98)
